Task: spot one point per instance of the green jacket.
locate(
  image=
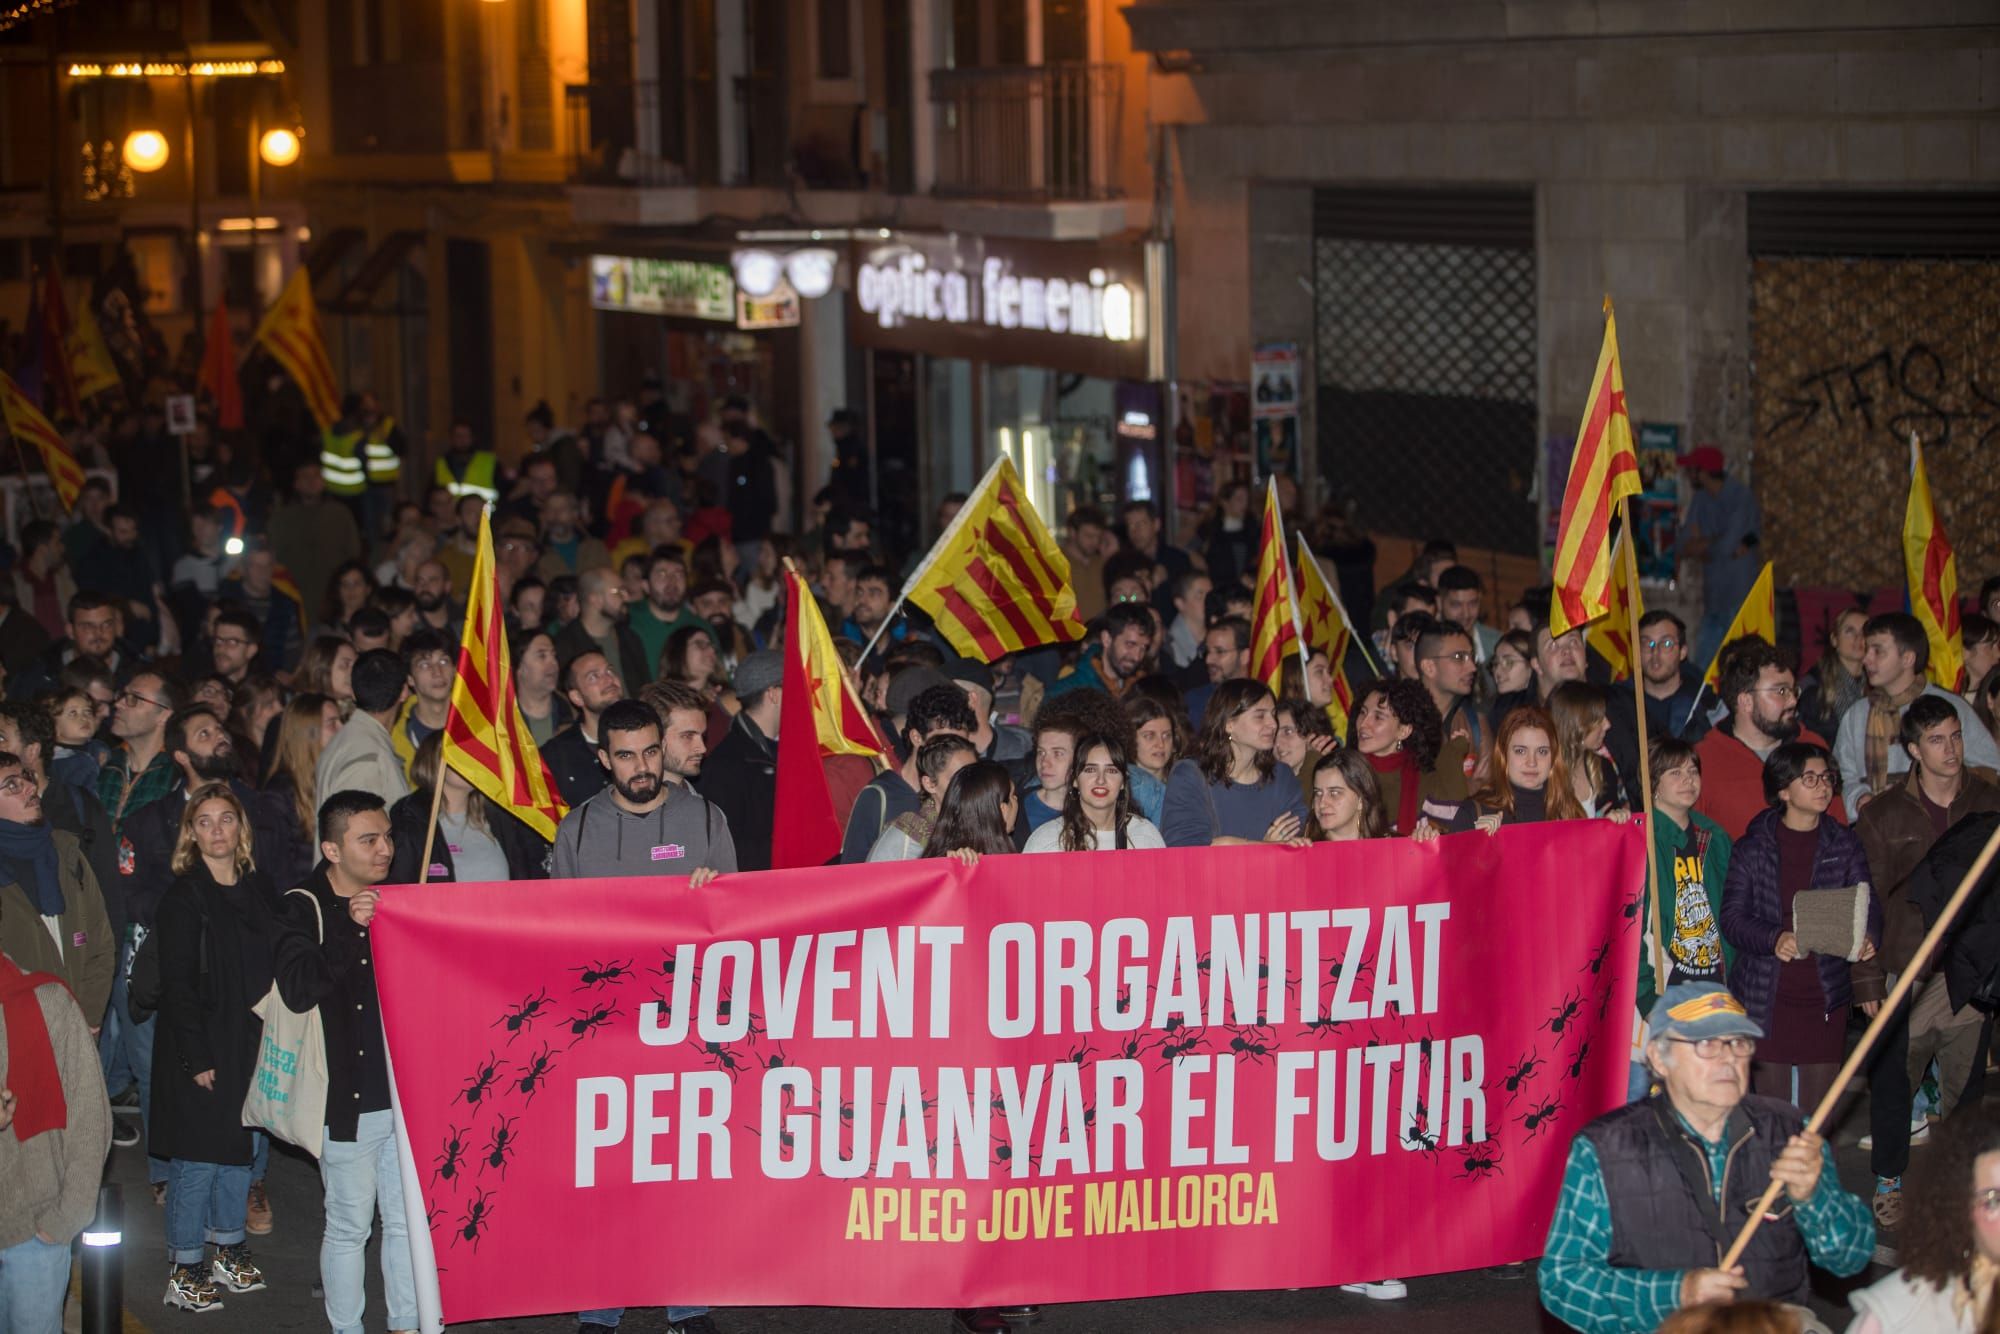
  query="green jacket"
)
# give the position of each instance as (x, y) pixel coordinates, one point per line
(1667, 837)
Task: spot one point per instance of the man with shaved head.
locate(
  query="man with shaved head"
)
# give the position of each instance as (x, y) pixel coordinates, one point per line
(600, 626)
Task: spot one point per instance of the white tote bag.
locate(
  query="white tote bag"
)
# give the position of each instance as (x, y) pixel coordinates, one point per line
(288, 1092)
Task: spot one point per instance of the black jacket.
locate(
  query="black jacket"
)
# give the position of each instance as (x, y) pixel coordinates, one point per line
(337, 975)
(526, 851)
(741, 777)
(155, 827)
(69, 807)
(633, 669)
(215, 963)
(1971, 949)
(573, 761)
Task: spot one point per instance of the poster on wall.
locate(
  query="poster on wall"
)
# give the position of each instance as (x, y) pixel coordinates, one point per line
(1656, 511)
(1274, 408)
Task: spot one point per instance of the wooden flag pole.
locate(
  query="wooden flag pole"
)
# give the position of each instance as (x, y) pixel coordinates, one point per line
(846, 676)
(1881, 1021)
(437, 799)
(1631, 558)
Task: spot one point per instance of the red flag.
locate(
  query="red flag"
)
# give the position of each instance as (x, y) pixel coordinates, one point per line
(58, 383)
(218, 371)
(818, 715)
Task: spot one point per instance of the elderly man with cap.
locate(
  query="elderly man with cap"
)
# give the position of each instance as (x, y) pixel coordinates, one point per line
(1655, 1192)
(923, 703)
(741, 774)
(1720, 531)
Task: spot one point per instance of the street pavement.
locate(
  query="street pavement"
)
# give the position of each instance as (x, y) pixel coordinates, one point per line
(1443, 1304)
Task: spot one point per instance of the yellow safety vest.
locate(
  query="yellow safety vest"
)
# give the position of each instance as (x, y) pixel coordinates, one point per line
(340, 460)
(385, 467)
(481, 476)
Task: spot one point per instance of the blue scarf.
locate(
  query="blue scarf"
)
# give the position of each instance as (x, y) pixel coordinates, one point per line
(28, 854)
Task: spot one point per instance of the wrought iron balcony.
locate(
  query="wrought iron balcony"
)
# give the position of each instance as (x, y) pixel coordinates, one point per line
(1046, 132)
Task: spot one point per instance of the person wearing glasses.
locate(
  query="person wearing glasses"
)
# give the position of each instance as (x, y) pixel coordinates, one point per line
(1654, 1192)
(1671, 685)
(1950, 1246)
(1448, 665)
(1757, 687)
(1802, 999)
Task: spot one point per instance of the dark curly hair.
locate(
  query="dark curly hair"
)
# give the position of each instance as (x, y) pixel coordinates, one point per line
(1937, 1241)
(1087, 712)
(1412, 705)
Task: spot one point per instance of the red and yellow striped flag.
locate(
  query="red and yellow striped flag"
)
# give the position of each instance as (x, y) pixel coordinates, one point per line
(1603, 471)
(26, 423)
(1611, 634)
(1274, 616)
(1323, 621)
(996, 582)
(485, 737)
(818, 716)
(1932, 570)
(1757, 616)
(291, 333)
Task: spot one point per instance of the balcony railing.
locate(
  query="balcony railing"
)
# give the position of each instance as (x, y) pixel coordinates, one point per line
(1028, 132)
(614, 135)
(649, 133)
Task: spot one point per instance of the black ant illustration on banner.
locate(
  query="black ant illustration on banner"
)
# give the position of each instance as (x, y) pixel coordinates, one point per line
(450, 1164)
(472, 1223)
(522, 1017)
(1182, 1042)
(597, 975)
(1540, 1115)
(482, 1082)
(1596, 965)
(720, 1056)
(1563, 1015)
(535, 1073)
(1523, 1071)
(1253, 1041)
(500, 1148)
(1479, 1161)
(586, 1022)
(1576, 1066)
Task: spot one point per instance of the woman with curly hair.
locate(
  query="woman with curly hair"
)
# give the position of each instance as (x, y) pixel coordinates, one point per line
(1949, 1242)
(1527, 782)
(1397, 729)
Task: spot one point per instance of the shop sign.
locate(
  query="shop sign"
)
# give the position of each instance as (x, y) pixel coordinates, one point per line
(778, 310)
(1071, 306)
(691, 288)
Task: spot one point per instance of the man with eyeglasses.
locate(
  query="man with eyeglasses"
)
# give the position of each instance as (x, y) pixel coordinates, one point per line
(433, 666)
(234, 643)
(1654, 1193)
(139, 771)
(1894, 660)
(1756, 686)
(1447, 666)
(1671, 686)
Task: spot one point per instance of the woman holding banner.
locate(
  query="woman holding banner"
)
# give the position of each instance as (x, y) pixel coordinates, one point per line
(1800, 999)
(1346, 802)
(1527, 782)
(1097, 815)
(1399, 732)
(1233, 789)
(215, 964)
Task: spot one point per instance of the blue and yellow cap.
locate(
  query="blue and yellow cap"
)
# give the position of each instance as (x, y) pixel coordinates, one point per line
(1699, 1010)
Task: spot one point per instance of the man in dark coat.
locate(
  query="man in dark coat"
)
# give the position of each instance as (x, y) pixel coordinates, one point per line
(741, 774)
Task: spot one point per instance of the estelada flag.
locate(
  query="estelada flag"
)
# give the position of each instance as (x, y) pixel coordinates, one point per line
(1274, 616)
(91, 369)
(818, 716)
(1323, 621)
(1603, 471)
(291, 333)
(485, 737)
(218, 370)
(996, 582)
(26, 423)
(1611, 634)
(1932, 571)
(1757, 616)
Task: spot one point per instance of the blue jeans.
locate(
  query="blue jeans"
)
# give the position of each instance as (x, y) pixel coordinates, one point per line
(360, 1174)
(138, 1043)
(111, 1038)
(34, 1284)
(610, 1315)
(205, 1202)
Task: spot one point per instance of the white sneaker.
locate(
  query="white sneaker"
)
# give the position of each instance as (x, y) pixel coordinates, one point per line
(1383, 1290)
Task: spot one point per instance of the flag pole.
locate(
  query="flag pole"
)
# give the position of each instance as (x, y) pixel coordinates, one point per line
(1883, 1016)
(437, 782)
(846, 677)
(1631, 559)
(1292, 590)
(958, 521)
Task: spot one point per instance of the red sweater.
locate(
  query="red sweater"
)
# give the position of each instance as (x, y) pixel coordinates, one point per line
(1732, 779)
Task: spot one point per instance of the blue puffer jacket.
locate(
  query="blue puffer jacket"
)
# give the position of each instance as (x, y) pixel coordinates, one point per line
(1752, 922)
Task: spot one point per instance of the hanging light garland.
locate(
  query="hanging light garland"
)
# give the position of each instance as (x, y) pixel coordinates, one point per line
(15, 12)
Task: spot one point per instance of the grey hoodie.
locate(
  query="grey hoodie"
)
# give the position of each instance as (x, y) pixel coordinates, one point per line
(601, 838)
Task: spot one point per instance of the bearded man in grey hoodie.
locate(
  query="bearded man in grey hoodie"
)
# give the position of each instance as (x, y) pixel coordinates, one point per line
(650, 820)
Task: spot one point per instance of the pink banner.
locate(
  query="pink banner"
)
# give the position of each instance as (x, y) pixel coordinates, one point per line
(1050, 1078)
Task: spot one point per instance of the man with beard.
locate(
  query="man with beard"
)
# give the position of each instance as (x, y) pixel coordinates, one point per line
(664, 610)
(715, 602)
(1124, 646)
(591, 685)
(435, 607)
(600, 625)
(1756, 684)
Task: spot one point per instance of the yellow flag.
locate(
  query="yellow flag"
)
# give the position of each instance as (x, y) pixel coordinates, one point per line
(1323, 620)
(90, 364)
(1757, 616)
(1932, 571)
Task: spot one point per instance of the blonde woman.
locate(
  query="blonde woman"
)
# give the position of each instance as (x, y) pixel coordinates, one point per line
(212, 924)
(476, 842)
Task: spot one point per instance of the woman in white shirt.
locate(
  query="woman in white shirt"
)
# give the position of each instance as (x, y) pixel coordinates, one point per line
(1097, 811)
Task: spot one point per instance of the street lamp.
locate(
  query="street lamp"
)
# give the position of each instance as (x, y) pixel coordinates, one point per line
(145, 150)
(279, 146)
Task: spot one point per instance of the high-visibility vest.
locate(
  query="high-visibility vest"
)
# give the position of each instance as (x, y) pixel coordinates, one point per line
(385, 466)
(481, 476)
(340, 460)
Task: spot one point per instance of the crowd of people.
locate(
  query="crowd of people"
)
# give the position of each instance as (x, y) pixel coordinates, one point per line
(218, 744)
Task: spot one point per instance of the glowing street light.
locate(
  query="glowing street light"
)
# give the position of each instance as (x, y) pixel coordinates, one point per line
(279, 147)
(145, 150)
